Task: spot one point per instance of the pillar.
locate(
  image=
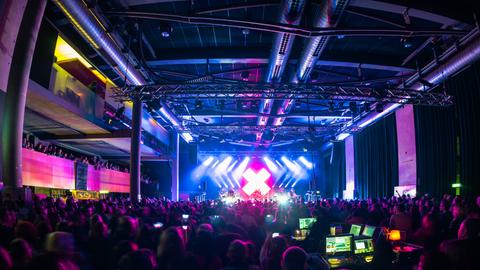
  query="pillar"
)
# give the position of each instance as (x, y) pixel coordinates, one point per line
(135, 154)
(174, 165)
(407, 151)
(15, 98)
(348, 193)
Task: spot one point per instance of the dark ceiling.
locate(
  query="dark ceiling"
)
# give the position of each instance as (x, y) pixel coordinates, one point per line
(172, 51)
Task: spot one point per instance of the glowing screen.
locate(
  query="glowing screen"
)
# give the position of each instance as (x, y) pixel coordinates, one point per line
(338, 244)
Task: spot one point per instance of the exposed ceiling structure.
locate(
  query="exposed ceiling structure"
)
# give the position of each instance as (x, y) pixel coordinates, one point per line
(345, 45)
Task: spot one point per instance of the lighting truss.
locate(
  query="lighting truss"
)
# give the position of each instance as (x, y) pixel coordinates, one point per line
(258, 91)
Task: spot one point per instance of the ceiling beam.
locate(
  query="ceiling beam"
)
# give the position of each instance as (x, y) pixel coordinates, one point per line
(285, 29)
(256, 60)
(120, 134)
(400, 10)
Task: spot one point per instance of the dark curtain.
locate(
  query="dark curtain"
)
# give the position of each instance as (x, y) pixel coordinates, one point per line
(436, 149)
(376, 159)
(336, 172)
(330, 171)
(465, 87)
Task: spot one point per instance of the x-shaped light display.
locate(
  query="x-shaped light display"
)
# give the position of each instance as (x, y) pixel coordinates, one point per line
(256, 181)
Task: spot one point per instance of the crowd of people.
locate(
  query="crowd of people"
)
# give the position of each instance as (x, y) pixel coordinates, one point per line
(162, 234)
(54, 150)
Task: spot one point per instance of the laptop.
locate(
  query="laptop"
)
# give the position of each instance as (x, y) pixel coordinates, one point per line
(364, 249)
(355, 230)
(306, 223)
(368, 231)
(338, 250)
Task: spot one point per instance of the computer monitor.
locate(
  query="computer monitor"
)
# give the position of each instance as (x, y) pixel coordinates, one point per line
(338, 244)
(368, 231)
(363, 246)
(355, 229)
(306, 223)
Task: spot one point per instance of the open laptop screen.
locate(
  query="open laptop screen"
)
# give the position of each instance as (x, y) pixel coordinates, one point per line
(355, 229)
(363, 246)
(368, 231)
(338, 244)
(306, 223)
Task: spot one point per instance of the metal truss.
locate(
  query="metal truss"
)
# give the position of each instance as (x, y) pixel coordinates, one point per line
(258, 91)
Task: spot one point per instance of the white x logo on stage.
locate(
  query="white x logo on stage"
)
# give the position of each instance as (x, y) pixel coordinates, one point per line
(256, 181)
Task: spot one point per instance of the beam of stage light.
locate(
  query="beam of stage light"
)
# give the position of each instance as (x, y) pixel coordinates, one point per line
(208, 161)
(202, 168)
(295, 183)
(288, 183)
(222, 167)
(305, 162)
(291, 166)
(231, 166)
(238, 172)
(271, 165)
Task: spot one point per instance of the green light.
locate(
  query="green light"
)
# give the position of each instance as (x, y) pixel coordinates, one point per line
(456, 185)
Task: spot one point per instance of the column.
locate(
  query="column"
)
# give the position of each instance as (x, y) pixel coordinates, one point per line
(174, 165)
(135, 154)
(407, 151)
(348, 193)
(15, 98)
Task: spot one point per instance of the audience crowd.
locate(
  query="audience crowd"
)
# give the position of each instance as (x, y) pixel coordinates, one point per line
(57, 151)
(161, 234)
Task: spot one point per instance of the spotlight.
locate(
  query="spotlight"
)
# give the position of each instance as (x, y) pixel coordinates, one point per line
(282, 199)
(166, 30)
(406, 42)
(198, 104)
(331, 106)
(353, 107)
(305, 162)
(366, 106)
(379, 108)
(245, 75)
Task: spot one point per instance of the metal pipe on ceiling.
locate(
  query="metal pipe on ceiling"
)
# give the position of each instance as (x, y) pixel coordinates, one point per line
(453, 60)
(326, 16)
(290, 14)
(90, 28)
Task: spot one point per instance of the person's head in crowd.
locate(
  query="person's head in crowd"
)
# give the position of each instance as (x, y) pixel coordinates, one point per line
(171, 243)
(433, 260)
(143, 259)
(123, 247)
(294, 258)
(52, 261)
(5, 260)
(27, 231)
(458, 211)
(469, 229)
(60, 243)
(126, 228)
(237, 252)
(430, 222)
(399, 209)
(20, 252)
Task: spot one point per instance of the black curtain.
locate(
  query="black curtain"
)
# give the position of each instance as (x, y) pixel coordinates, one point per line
(376, 159)
(436, 149)
(465, 87)
(336, 170)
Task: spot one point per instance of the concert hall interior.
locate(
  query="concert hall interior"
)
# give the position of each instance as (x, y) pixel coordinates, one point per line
(239, 134)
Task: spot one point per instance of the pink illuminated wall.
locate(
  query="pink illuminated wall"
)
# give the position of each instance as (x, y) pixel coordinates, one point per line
(104, 179)
(42, 170)
(407, 151)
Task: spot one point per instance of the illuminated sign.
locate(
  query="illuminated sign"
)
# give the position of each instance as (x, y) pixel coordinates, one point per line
(256, 181)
